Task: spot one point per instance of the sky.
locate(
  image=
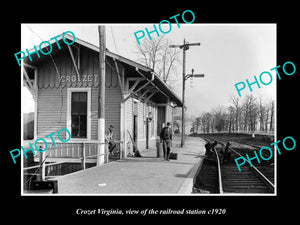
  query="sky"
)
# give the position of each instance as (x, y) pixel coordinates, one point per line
(228, 54)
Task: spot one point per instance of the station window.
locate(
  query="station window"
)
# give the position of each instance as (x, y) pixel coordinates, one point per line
(79, 115)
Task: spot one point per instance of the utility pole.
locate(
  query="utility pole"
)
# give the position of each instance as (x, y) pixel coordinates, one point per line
(184, 47)
(101, 97)
(193, 75)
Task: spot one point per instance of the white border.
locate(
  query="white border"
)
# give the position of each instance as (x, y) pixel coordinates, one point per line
(89, 113)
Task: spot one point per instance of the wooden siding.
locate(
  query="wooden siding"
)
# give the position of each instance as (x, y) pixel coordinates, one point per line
(143, 109)
(94, 114)
(128, 119)
(52, 96)
(51, 111)
(113, 98)
(141, 124)
(48, 77)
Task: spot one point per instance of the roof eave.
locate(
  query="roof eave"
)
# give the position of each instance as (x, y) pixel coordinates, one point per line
(124, 60)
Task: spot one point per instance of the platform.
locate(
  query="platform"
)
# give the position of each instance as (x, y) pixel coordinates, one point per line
(146, 175)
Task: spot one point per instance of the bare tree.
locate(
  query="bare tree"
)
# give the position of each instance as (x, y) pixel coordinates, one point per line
(231, 112)
(195, 125)
(148, 51)
(272, 112)
(219, 118)
(249, 109)
(168, 58)
(249, 115)
(157, 55)
(205, 120)
(193, 122)
(261, 114)
(237, 111)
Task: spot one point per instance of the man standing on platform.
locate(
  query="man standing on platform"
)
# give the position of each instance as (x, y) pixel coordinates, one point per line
(166, 139)
(109, 136)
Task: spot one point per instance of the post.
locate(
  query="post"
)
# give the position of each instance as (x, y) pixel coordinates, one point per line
(106, 152)
(121, 150)
(183, 95)
(42, 164)
(122, 129)
(101, 97)
(184, 47)
(83, 159)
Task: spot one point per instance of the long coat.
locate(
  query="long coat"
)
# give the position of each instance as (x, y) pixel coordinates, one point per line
(166, 134)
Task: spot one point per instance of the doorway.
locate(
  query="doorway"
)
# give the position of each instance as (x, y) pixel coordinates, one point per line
(147, 132)
(135, 131)
(135, 124)
(161, 118)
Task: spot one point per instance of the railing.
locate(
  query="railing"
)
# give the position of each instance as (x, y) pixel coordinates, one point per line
(75, 151)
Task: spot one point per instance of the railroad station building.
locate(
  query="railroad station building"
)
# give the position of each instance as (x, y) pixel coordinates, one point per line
(65, 87)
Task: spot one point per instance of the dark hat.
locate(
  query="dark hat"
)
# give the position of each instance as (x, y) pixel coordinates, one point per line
(168, 124)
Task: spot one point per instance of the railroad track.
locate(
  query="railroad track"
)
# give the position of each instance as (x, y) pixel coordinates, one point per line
(224, 177)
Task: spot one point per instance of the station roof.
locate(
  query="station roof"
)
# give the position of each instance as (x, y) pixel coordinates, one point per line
(137, 69)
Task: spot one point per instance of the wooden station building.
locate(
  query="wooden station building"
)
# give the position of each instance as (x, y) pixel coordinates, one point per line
(65, 87)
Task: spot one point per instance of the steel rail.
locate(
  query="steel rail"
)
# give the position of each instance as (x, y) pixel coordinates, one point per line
(260, 174)
(219, 173)
(219, 169)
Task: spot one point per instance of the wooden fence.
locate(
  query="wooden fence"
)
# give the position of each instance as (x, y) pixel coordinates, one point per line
(74, 151)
